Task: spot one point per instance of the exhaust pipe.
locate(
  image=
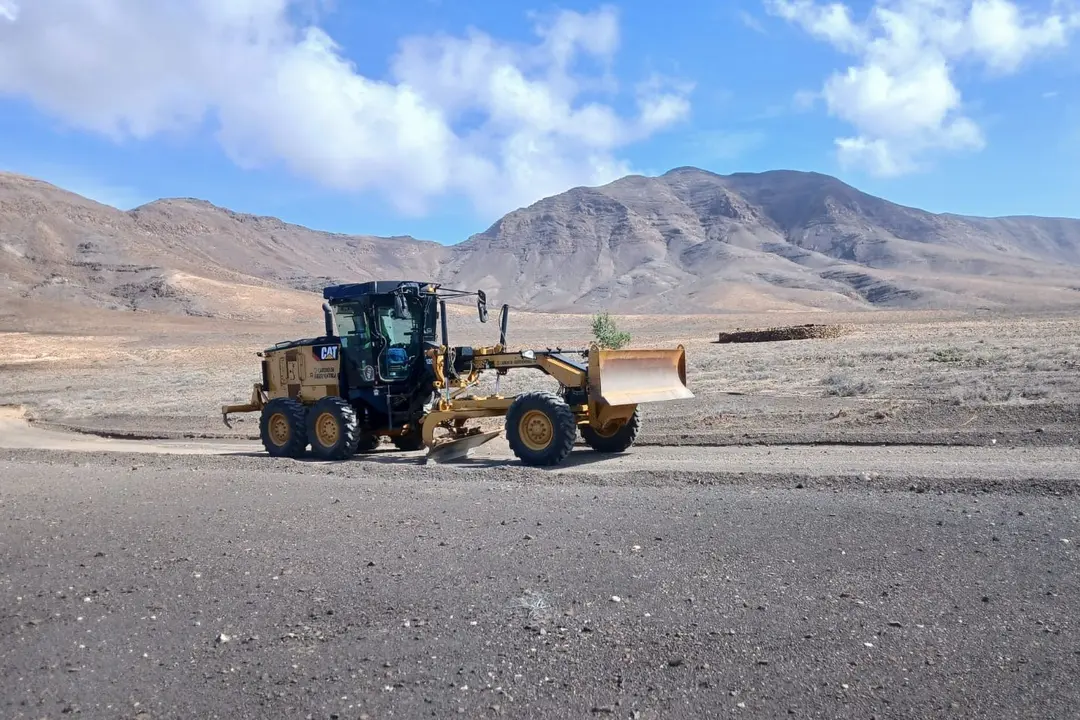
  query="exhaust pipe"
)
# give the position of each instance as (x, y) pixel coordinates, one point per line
(328, 320)
(446, 344)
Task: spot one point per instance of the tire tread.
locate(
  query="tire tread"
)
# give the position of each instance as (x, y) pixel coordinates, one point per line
(621, 441)
(298, 437)
(565, 428)
(350, 428)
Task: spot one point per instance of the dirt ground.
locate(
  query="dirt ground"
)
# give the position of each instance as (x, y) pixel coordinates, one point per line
(901, 377)
(917, 561)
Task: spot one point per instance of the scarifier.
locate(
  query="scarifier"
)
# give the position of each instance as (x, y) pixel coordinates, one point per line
(380, 371)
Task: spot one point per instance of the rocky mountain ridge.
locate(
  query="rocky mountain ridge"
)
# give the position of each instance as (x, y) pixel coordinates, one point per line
(688, 241)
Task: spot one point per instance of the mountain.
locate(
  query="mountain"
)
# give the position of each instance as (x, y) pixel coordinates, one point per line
(694, 241)
(179, 255)
(688, 241)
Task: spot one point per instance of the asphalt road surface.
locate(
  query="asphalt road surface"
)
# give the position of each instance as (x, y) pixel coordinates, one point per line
(671, 582)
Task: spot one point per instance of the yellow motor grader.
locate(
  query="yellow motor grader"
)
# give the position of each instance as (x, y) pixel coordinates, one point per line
(380, 371)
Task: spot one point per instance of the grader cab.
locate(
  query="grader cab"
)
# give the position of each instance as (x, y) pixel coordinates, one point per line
(381, 369)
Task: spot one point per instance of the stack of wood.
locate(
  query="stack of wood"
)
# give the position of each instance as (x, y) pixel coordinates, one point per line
(793, 332)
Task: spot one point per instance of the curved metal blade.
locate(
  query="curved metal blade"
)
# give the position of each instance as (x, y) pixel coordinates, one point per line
(457, 449)
(630, 377)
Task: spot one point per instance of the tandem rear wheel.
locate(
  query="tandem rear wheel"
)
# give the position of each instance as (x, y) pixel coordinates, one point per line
(283, 428)
(330, 426)
(333, 429)
(540, 428)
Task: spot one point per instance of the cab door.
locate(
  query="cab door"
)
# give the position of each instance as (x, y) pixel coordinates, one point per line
(357, 347)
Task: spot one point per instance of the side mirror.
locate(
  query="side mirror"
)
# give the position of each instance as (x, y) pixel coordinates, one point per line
(400, 310)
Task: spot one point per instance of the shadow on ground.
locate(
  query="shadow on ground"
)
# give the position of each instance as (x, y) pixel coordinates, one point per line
(578, 458)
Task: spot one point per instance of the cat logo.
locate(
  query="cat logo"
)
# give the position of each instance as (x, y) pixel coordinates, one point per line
(326, 352)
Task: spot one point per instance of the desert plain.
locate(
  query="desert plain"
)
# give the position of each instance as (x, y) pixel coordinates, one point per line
(880, 524)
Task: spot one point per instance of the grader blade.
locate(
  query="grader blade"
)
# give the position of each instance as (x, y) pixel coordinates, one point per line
(630, 377)
(456, 449)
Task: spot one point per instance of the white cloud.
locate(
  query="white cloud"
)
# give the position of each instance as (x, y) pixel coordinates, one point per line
(901, 97)
(501, 123)
(830, 22)
(661, 102)
(751, 22)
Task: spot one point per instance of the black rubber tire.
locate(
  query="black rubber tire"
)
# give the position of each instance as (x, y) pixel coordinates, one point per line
(369, 443)
(411, 441)
(295, 421)
(348, 429)
(563, 426)
(618, 442)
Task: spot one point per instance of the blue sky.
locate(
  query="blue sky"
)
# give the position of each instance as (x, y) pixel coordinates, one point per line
(383, 120)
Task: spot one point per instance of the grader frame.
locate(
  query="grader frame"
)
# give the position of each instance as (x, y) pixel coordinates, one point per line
(603, 394)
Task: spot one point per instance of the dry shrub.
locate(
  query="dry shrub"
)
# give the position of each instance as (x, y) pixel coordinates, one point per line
(948, 355)
(839, 385)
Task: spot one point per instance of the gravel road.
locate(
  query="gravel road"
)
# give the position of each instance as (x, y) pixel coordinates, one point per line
(728, 582)
(1011, 467)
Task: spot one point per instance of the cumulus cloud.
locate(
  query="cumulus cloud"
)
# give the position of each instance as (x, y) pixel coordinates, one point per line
(499, 123)
(901, 96)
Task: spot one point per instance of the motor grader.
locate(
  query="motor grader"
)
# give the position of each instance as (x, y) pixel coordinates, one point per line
(380, 371)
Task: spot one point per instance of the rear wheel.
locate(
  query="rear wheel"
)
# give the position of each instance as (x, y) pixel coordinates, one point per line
(333, 429)
(615, 440)
(540, 428)
(283, 429)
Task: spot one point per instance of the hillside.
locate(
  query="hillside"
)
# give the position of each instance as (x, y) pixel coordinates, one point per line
(179, 255)
(695, 241)
(687, 241)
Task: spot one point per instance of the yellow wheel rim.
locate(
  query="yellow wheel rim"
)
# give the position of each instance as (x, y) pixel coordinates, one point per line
(609, 430)
(326, 430)
(536, 430)
(279, 429)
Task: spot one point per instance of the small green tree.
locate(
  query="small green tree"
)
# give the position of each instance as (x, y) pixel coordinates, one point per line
(607, 334)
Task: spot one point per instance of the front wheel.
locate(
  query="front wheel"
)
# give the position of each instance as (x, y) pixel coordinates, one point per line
(540, 428)
(616, 440)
